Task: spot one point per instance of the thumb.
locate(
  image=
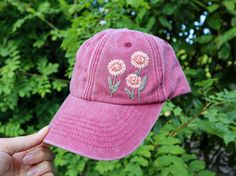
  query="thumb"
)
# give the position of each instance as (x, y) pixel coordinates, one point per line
(19, 144)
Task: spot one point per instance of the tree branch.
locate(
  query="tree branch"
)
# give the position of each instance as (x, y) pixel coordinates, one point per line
(175, 132)
(49, 77)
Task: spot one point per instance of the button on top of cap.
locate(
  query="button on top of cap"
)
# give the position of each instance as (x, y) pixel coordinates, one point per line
(127, 44)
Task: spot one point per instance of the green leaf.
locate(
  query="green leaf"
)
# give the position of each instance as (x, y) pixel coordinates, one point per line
(206, 173)
(104, 166)
(229, 137)
(165, 22)
(166, 171)
(172, 149)
(46, 68)
(206, 83)
(214, 21)
(179, 168)
(163, 161)
(116, 86)
(110, 84)
(213, 7)
(40, 41)
(164, 140)
(20, 22)
(177, 111)
(197, 165)
(233, 21)
(229, 5)
(143, 85)
(224, 52)
(139, 160)
(150, 23)
(131, 96)
(227, 36)
(133, 169)
(141, 15)
(169, 9)
(188, 157)
(59, 84)
(204, 39)
(11, 129)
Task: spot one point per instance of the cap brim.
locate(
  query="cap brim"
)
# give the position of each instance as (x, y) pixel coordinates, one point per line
(100, 130)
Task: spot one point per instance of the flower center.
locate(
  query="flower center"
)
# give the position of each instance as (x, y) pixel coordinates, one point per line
(140, 60)
(134, 81)
(116, 67)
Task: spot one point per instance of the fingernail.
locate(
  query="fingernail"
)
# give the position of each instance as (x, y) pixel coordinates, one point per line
(46, 127)
(28, 158)
(32, 172)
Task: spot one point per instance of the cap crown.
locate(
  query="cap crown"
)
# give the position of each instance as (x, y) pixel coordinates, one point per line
(123, 66)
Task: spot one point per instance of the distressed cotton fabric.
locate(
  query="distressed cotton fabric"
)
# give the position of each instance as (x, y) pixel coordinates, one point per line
(120, 81)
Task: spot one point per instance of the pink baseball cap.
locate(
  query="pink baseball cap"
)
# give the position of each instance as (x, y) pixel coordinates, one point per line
(120, 81)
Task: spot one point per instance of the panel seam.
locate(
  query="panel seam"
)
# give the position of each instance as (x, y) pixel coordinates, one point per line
(154, 56)
(160, 67)
(94, 67)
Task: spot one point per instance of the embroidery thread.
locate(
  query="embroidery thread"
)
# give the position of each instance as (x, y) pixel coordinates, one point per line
(139, 60)
(134, 82)
(115, 67)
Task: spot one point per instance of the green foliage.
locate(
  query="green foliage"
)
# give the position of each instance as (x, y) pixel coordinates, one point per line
(195, 134)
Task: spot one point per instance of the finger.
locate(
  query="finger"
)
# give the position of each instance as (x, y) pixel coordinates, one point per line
(41, 169)
(5, 163)
(43, 144)
(37, 155)
(48, 174)
(18, 144)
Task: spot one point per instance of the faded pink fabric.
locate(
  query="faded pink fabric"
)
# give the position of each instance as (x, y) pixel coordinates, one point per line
(95, 124)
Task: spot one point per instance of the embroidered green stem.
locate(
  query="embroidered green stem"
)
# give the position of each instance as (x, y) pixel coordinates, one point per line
(139, 92)
(142, 87)
(139, 71)
(132, 93)
(113, 83)
(114, 80)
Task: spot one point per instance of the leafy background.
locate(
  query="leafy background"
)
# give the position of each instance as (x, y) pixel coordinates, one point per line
(196, 133)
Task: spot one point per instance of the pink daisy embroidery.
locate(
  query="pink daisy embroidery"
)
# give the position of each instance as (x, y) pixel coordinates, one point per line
(133, 81)
(139, 59)
(115, 67)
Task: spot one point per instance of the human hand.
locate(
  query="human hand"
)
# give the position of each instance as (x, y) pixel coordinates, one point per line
(26, 156)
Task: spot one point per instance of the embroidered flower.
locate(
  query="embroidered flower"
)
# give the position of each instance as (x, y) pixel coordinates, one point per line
(116, 67)
(139, 59)
(133, 81)
(136, 82)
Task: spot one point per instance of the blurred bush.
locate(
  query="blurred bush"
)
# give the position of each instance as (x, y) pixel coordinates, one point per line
(195, 134)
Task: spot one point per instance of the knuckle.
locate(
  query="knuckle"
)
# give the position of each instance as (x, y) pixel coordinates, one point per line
(48, 165)
(52, 155)
(41, 154)
(49, 174)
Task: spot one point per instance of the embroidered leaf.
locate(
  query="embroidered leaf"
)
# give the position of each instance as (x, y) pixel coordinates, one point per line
(110, 83)
(138, 95)
(136, 72)
(116, 86)
(131, 96)
(143, 85)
